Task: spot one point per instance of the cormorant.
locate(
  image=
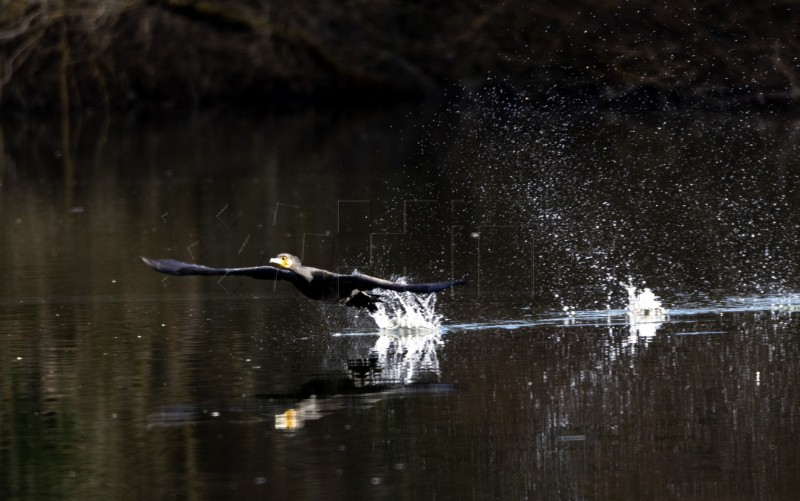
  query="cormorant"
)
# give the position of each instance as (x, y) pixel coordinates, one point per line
(313, 282)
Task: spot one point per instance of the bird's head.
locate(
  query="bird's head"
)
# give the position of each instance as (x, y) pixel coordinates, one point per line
(285, 260)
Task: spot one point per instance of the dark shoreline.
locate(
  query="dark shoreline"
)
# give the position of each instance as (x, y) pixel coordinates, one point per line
(199, 54)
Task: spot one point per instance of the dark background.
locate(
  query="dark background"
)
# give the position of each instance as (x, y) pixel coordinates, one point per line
(96, 54)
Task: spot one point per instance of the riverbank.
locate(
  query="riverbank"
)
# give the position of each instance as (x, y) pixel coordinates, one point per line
(101, 55)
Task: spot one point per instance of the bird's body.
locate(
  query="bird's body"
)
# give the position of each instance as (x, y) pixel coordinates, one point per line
(314, 283)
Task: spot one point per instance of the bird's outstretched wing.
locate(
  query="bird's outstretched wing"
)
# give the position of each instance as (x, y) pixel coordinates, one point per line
(366, 282)
(173, 267)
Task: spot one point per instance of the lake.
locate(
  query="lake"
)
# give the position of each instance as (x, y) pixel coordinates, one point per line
(531, 382)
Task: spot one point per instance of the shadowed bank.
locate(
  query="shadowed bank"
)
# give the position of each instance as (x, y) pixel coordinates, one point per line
(141, 53)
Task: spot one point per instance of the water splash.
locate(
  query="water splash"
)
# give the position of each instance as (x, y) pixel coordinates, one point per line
(406, 310)
(406, 355)
(643, 305)
(645, 313)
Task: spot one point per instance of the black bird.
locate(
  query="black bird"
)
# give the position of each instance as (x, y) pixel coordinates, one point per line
(315, 283)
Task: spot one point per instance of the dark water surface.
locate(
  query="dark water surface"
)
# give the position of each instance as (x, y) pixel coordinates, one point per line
(120, 383)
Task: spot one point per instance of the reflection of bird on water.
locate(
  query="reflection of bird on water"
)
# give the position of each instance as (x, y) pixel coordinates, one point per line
(313, 282)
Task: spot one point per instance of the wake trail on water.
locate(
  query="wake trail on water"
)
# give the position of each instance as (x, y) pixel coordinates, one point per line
(643, 308)
(407, 312)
